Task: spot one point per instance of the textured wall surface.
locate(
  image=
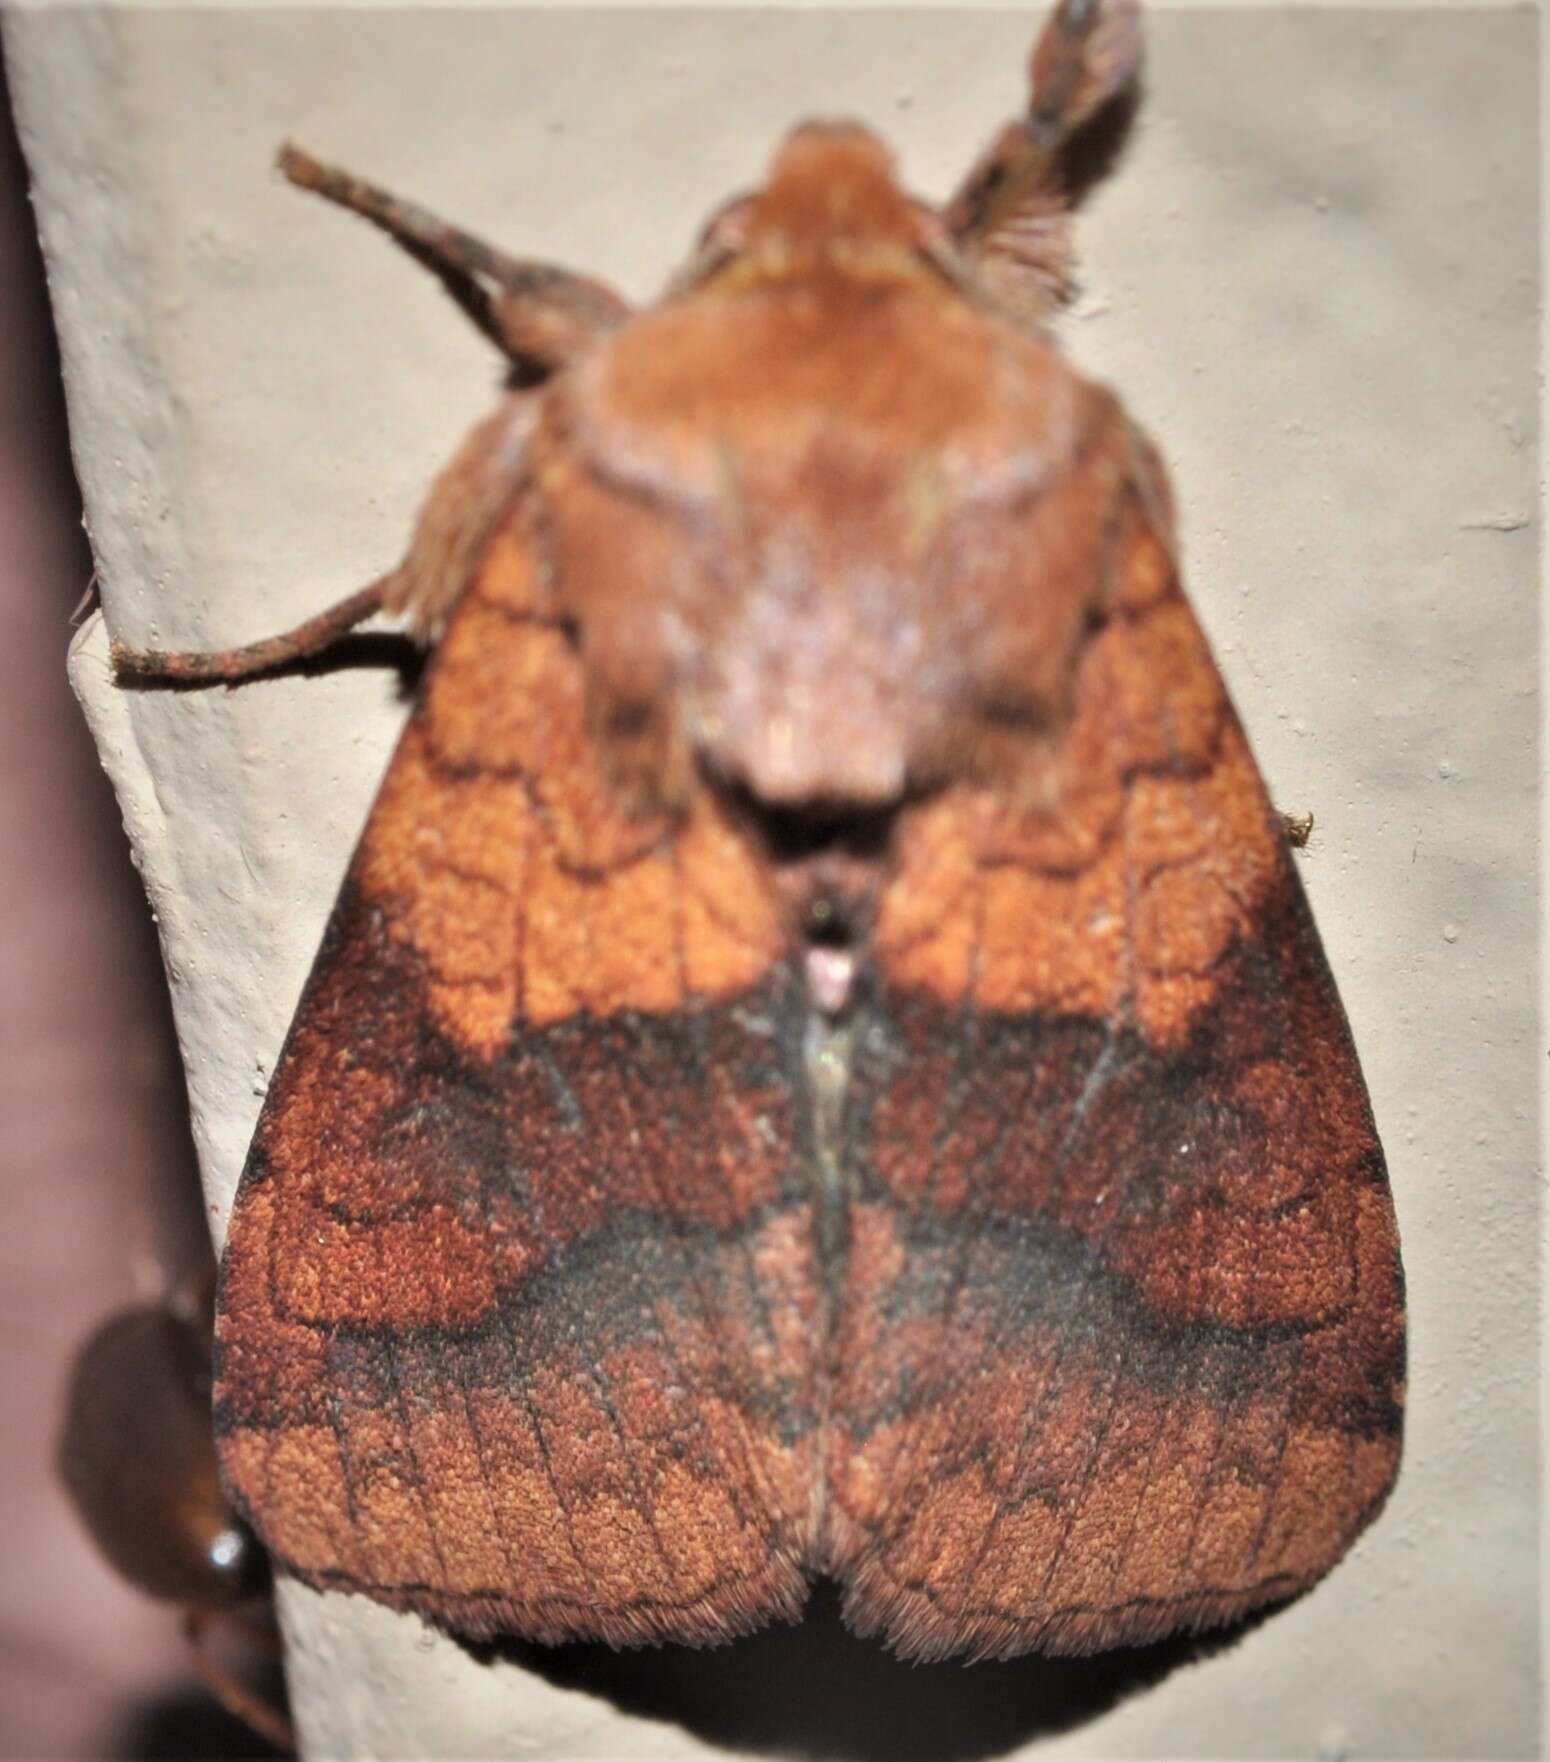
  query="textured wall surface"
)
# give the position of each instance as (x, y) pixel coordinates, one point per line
(1316, 279)
(97, 1181)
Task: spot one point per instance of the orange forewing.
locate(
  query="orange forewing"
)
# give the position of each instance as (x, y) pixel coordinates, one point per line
(518, 1306)
(1121, 1345)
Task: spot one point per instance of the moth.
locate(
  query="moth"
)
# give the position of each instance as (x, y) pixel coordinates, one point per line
(820, 1063)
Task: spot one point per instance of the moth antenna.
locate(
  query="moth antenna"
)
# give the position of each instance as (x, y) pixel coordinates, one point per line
(1087, 55)
(1011, 216)
(538, 315)
(232, 666)
(466, 500)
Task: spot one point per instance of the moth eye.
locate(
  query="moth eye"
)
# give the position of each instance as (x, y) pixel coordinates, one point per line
(720, 239)
(726, 226)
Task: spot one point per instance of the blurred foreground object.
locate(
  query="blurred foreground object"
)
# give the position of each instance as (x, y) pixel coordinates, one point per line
(138, 1460)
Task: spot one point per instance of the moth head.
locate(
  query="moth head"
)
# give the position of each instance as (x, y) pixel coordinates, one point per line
(831, 202)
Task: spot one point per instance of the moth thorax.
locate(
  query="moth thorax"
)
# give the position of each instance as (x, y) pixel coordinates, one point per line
(813, 689)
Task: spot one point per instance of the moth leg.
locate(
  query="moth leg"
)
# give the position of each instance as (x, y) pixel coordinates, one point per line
(461, 512)
(1297, 829)
(238, 1700)
(538, 315)
(1011, 215)
(231, 666)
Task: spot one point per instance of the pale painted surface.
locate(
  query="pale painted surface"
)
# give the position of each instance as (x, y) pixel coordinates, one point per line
(1316, 278)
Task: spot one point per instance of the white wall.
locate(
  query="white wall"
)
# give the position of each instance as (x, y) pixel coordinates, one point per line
(1316, 278)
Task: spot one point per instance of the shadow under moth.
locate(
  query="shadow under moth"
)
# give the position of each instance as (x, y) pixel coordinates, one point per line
(820, 1063)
